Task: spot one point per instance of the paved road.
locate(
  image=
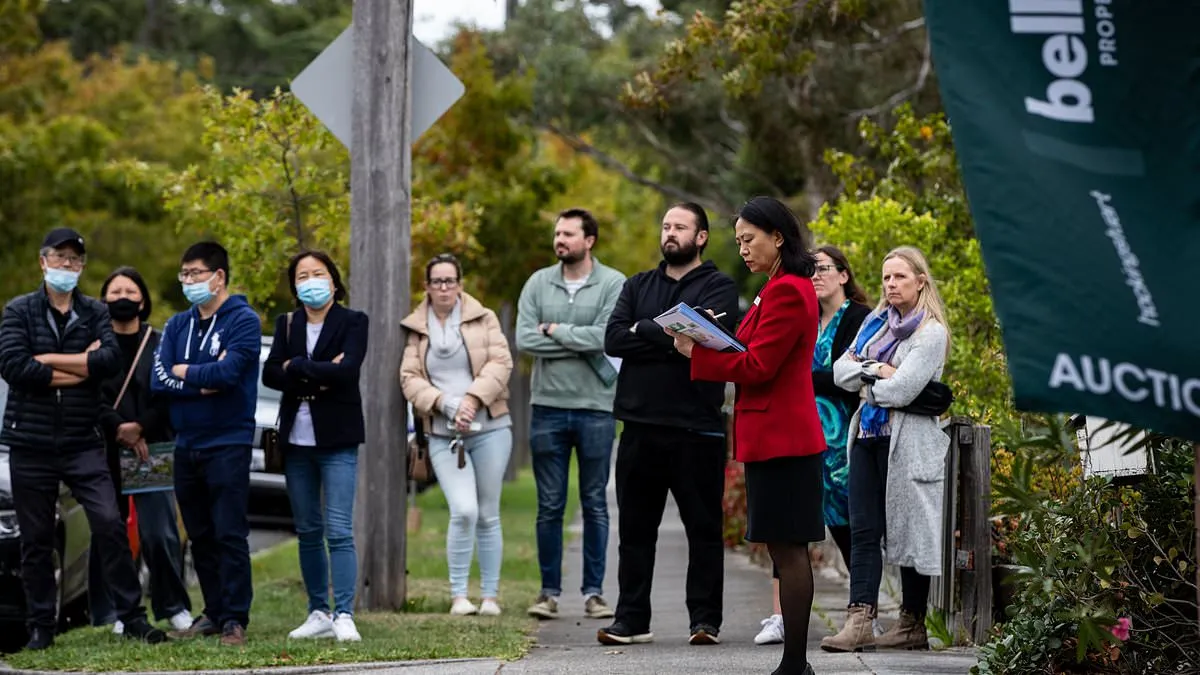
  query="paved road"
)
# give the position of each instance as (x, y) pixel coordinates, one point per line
(260, 539)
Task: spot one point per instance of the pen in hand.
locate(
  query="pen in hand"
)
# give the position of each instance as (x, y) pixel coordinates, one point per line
(717, 316)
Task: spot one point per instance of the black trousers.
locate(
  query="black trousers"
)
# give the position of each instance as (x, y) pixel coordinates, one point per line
(651, 460)
(36, 473)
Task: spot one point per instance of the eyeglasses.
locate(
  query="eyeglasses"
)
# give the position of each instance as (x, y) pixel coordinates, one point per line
(443, 283)
(69, 260)
(827, 269)
(190, 275)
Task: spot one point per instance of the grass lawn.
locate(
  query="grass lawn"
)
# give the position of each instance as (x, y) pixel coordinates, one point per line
(423, 631)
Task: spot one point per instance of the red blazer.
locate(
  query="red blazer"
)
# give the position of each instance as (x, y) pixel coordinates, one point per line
(774, 410)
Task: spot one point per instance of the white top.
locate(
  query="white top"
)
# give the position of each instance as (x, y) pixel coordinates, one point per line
(302, 429)
(573, 285)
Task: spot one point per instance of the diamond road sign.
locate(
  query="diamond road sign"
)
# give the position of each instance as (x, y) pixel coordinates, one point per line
(326, 87)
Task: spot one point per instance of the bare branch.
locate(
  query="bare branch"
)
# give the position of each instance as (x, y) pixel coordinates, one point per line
(581, 146)
(881, 41)
(904, 94)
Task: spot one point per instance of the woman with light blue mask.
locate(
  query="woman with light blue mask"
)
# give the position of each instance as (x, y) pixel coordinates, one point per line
(315, 361)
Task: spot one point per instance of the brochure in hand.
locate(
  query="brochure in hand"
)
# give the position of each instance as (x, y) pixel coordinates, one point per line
(700, 326)
(154, 475)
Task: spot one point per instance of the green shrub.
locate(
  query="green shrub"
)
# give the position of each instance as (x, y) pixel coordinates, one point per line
(1109, 572)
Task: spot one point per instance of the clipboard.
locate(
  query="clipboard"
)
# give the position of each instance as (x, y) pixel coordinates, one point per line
(699, 325)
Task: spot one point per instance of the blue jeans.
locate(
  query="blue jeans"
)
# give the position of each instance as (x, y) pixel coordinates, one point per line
(473, 495)
(162, 552)
(553, 433)
(313, 473)
(212, 486)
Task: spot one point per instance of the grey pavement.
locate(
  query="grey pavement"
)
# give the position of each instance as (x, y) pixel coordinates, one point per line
(568, 644)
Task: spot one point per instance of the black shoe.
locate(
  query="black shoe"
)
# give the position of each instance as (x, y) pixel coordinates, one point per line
(704, 634)
(40, 637)
(783, 671)
(140, 629)
(621, 634)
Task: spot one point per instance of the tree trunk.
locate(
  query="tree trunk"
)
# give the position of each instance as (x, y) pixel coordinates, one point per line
(380, 241)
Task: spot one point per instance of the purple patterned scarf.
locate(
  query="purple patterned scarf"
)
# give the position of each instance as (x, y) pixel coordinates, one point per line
(896, 331)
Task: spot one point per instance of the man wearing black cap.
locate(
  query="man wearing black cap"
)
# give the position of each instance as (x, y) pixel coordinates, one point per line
(56, 348)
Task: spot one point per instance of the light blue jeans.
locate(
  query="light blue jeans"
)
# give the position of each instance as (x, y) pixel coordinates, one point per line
(473, 495)
(313, 473)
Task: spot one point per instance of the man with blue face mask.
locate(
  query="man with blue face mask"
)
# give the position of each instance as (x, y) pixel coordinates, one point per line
(207, 363)
(56, 348)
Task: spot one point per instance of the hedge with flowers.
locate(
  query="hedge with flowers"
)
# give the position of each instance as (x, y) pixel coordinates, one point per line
(1107, 581)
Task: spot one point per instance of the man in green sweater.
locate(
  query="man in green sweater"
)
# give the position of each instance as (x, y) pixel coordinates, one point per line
(561, 320)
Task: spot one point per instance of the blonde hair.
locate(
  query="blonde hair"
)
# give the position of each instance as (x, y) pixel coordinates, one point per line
(928, 299)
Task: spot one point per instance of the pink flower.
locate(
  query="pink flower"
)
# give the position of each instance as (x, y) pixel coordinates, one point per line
(1121, 630)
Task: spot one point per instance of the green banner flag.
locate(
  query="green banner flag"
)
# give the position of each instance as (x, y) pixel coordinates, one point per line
(1077, 127)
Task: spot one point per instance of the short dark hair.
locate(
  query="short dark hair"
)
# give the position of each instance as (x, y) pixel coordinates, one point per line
(701, 218)
(771, 215)
(339, 290)
(136, 277)
(851, 287)
(439, 259)
(591, 228)
(213, 255)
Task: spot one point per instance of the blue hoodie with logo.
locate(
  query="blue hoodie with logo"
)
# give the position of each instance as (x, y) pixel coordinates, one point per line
(213, 405)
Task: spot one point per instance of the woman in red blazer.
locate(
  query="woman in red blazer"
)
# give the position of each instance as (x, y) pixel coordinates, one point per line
(777, 431)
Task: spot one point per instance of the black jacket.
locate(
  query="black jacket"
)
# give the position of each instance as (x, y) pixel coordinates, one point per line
(39, 416)
(331, 389)
(139, 404)
(655, 384)
(843, 339)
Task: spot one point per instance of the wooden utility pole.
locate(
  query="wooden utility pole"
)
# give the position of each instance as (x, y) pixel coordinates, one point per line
(380, 242)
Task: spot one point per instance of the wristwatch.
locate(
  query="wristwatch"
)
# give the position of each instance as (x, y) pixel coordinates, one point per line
(546, 329)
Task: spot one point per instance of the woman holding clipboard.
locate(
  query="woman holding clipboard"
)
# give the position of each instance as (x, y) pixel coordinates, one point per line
(775, 391)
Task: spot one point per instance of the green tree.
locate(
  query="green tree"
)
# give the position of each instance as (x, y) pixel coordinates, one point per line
(906, 190)
(276, 182)
(86, 145)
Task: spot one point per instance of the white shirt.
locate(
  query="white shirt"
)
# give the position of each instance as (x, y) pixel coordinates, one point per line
(573, 286)
(302, 429)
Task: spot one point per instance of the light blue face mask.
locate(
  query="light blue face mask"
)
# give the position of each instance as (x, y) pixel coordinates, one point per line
(314, 293)
(63, 281)
(198, 293)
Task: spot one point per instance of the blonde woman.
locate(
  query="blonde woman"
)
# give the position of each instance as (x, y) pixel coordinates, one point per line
(455, 373)
(897, 458)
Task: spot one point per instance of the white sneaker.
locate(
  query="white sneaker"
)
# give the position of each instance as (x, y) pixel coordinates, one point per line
(489, 608)
(181, 621)
(344, 629)
(772, 631)
(118, 628)
(317, 625)
(463, 607)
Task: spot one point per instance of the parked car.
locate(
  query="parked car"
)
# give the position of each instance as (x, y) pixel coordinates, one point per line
(269, 505)
(70, 558)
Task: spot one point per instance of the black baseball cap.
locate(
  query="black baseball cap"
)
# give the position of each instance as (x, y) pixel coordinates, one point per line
(64, 235)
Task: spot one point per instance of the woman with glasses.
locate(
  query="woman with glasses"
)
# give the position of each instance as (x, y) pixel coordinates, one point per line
(315, 360)
(455, 373)
(843, 308)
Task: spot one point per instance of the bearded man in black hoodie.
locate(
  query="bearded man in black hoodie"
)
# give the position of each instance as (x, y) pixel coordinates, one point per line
(674, 433)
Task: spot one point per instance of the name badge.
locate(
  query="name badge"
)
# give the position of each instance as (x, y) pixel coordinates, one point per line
(757, 298)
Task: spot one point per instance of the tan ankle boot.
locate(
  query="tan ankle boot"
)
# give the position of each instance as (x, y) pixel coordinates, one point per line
(856, 635)
(907, 633)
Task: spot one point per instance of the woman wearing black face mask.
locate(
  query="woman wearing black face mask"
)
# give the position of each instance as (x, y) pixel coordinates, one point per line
(137, 419)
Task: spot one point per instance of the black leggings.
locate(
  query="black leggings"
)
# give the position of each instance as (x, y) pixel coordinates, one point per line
(841, 537)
